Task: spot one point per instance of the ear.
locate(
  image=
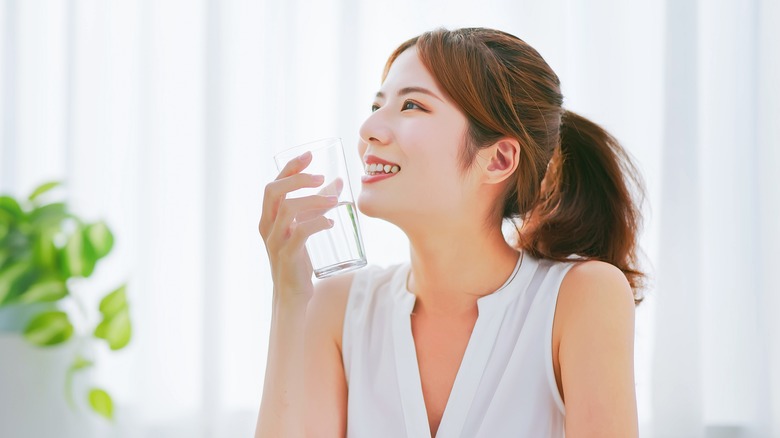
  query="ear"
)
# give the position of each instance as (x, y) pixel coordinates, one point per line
(500, 160)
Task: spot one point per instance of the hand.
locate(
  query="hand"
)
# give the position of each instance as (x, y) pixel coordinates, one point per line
(285, 225)
(332, 189)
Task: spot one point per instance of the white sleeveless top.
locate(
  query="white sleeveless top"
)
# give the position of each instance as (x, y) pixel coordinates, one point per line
(505, 386)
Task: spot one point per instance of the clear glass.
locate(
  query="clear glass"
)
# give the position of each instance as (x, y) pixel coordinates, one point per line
(339, 248)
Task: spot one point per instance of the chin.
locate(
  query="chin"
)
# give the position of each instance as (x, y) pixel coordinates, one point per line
(377, 207)
(368, 208)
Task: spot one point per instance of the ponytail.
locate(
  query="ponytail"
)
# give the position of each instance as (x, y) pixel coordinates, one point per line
(586, 204)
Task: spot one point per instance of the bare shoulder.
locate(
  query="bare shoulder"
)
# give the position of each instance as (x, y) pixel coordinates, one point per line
(336, 285)
(595, 312)
(597, 287)
(328, 304)
(594, 292)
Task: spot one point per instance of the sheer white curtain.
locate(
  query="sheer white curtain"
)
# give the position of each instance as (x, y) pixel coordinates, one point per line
(162, 116)
(716, 368)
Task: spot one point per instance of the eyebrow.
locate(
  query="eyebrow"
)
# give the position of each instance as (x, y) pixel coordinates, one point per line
(408, 90)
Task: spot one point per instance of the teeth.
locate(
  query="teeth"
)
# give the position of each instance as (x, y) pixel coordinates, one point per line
(373, 169)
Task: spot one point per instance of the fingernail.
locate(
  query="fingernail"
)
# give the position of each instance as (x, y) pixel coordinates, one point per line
(319, 178)
(305, 156)
(332, 199)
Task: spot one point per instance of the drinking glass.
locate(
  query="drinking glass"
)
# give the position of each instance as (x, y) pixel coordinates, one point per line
(339, 248)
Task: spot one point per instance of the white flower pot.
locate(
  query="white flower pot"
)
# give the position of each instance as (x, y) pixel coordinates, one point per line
(32, 390)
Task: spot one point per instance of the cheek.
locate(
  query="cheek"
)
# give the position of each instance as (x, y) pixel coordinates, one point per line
(436, 181)
(434, 159)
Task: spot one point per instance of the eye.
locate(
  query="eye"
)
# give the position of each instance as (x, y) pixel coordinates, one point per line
(374, 107)
(409, 103)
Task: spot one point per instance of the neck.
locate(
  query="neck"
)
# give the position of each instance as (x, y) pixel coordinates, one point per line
(449, 274)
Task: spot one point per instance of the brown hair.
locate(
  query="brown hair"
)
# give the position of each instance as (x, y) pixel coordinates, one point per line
(574, 185)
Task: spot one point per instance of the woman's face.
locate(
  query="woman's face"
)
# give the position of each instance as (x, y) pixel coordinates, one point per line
(414, 126)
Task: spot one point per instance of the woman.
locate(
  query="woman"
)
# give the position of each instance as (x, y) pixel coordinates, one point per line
(474, 336)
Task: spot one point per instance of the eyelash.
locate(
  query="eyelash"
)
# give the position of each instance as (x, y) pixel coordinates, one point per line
(375, 107)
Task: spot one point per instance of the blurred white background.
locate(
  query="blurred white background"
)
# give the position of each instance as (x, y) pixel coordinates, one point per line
(163, 116)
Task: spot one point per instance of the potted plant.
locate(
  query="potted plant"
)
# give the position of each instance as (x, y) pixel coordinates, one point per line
(44, 248)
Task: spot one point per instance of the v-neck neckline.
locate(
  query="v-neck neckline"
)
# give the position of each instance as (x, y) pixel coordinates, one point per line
(481, 341)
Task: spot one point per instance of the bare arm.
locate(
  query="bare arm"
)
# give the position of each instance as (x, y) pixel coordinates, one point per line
(326, 385)
(597, 352)
(282, 406)
(305, 393)
(282, 409)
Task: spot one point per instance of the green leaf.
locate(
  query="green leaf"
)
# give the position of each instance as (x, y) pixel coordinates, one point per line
(114, 302)
(101, 403)
(99, 236)
(49, 328)
(88, 256)
(17, 243)
(46, 290)
(49, 215)
(73, 262)
(45, 252)
(79, 364)
(43, 188)
(5, 256)
(10, 211)
(4, 229)
(15, 279)
(116, 330)
(78, 259)
(115, 327)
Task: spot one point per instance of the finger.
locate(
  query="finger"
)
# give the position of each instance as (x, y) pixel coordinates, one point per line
(303, 230)
(294, 209)
(333, 188)
(311, 214)
(276, 191)
(295, 165)
(294, 182)
(290, 208)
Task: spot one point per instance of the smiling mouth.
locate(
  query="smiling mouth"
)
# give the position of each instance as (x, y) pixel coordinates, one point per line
(379, 169)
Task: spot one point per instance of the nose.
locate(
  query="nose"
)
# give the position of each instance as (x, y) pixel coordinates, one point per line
(375, 130)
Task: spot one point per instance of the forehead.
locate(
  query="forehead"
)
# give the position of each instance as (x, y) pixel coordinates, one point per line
(407, 70)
